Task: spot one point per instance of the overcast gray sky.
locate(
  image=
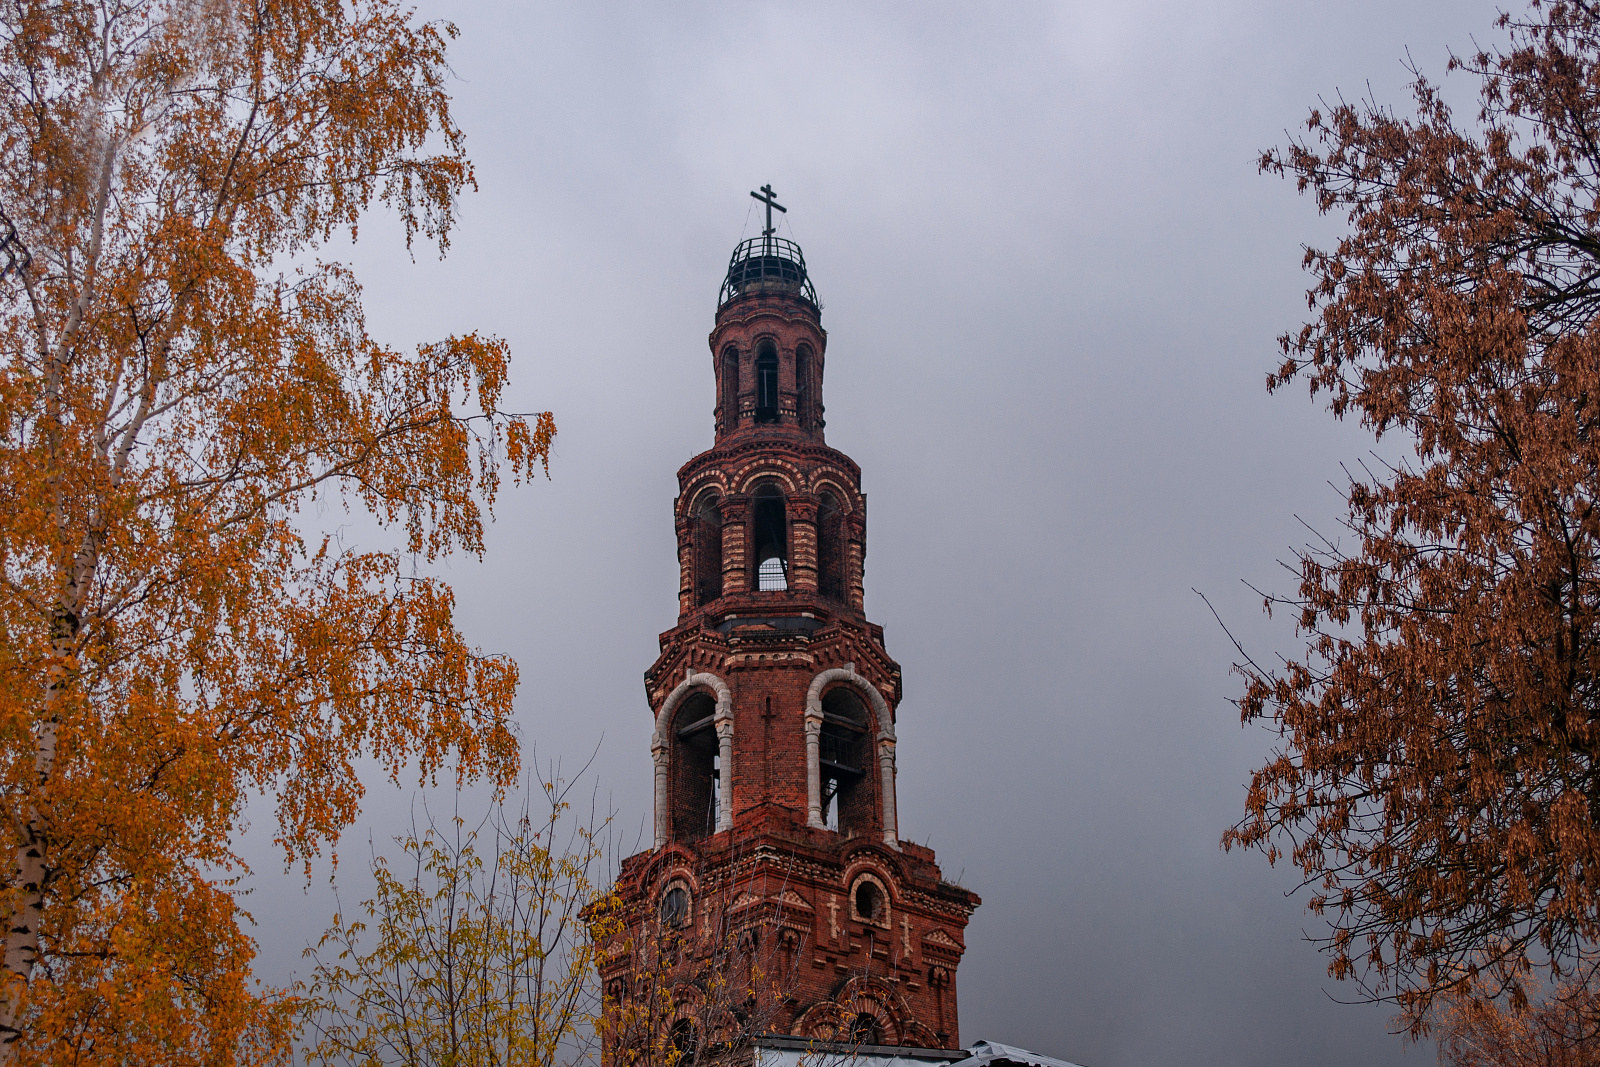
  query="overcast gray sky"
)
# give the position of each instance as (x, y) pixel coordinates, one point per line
(1052, 281)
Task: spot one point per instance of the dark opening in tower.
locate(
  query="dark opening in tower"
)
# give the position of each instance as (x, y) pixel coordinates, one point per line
(769, 535)
(682, 1041)
(767, 382)
(864, 1030)
(830, 546)
(706, 534)
(694, 768)
(846, 805)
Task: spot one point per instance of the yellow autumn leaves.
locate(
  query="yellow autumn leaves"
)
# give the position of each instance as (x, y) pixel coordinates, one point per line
(172, 394)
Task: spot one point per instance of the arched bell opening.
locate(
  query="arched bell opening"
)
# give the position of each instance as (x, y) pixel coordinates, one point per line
(845, 767)
(769, 538)
(695, 768)
(830, 546)
(767, 382)
(706, 534)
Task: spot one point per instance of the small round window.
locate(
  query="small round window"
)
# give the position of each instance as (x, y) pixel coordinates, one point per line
(675, 907)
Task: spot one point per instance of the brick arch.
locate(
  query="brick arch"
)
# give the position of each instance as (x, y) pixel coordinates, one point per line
(813, 727)
(661, 748)
(787, 478)
(712, 480)
(828, 479)
(877, 865)
(671, 861)
(848, 675)
(830, 1020)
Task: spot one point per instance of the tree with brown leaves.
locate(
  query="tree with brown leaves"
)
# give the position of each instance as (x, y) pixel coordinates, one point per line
(179, 377)
(1559, 1030)
(1438, 782)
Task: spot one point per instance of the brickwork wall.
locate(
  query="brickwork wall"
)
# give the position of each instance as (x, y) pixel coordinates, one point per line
(828, 962)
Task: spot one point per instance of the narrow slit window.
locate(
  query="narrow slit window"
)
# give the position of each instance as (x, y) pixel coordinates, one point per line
(706, 527)
(767, 383)
(830, 547)
(802, 386)
(730, 386)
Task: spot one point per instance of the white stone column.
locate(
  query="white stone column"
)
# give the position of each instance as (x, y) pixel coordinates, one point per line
(658, 751)
(891, 836)
(814, 766)
(725, 771)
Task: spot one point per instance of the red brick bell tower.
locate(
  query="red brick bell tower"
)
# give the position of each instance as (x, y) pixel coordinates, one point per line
(777, 873)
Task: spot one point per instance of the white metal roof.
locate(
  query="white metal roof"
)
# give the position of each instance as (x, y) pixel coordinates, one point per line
(985, 1053)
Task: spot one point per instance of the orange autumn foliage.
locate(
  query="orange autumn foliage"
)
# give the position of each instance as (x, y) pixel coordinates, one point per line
(1438, 780)
(180, 378)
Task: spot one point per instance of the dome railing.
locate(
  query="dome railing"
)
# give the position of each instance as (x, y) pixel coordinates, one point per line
(767, 265)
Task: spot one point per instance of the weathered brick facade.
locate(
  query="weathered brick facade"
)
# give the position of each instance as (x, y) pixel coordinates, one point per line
(775, 705)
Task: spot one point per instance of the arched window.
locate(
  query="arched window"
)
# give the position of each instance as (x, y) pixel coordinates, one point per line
(730, 386)
(830, 546)
(675, 907)
(845, 756)
(864, 1030)
(706, 534)
(767, 382)
(694, 768)
(682, 1039)
(769, 534)
(803, 390)
(869, 901)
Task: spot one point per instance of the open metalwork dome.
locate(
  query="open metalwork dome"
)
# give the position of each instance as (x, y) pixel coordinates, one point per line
(767, 265)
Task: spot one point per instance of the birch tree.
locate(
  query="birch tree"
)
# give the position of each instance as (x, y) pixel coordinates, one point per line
(180, 376)
(471, 950)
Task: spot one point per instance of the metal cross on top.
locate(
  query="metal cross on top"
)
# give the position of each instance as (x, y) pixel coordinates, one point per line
(769, 198)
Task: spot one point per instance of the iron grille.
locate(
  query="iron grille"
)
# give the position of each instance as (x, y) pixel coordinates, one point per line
(770, 576)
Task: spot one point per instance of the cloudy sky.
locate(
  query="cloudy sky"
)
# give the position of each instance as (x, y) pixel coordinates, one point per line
(1052, 279)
